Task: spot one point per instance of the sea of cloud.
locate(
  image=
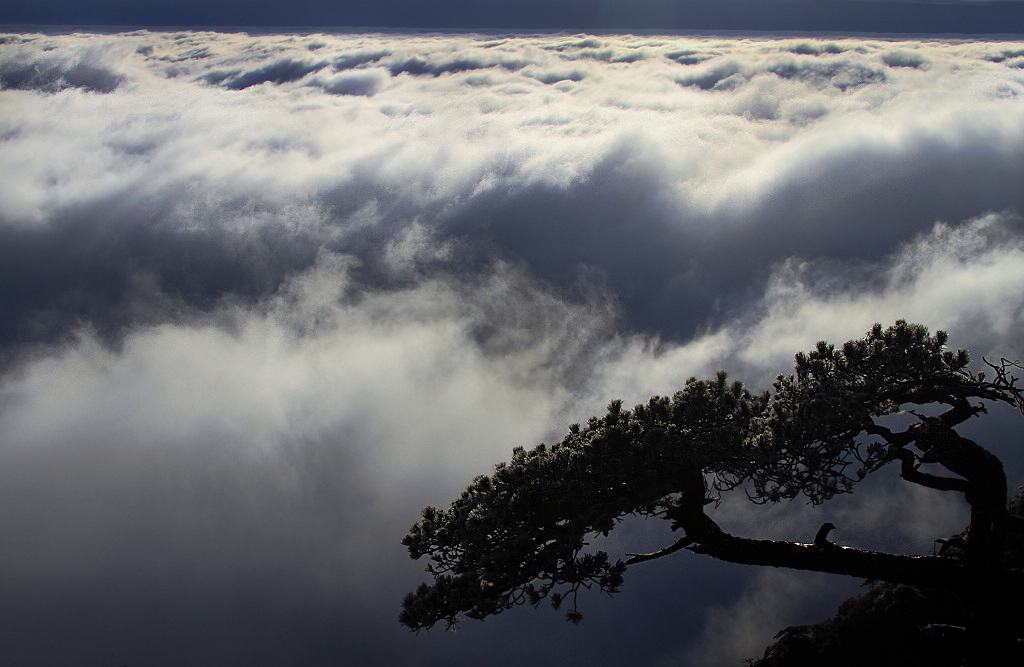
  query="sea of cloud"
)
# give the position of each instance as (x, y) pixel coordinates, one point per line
(265, 296)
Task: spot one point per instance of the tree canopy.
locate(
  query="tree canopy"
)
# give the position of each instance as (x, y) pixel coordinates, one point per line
(520, 535)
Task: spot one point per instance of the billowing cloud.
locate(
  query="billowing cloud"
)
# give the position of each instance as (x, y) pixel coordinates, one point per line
(265, 296)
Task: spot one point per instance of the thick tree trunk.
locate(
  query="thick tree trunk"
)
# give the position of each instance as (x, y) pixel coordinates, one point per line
(990, 637)
(989, 589)
(986, 586)
(990, 633)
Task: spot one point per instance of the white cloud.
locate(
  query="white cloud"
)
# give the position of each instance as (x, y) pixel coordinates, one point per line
(961, 279)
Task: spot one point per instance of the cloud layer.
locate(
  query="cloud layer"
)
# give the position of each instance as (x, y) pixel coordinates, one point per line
(266, 296)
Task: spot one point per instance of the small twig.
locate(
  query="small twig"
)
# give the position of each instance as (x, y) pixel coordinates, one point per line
(679, 544)
(1005, 381)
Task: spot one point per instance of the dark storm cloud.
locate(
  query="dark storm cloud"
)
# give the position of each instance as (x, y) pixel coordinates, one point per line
(840, 72)
(612, 55)
(689, 56)
(356, 59)
(269, 295)
(349, 83)
(24, 68)
(52, 77)
(615, 220)
(708, 78)
(112, 274)
(418, 66)
(1006, 54)
(280, 71)
(900, 58)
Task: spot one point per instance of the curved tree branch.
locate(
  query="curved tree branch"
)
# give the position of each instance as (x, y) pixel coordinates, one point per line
(931, 571)
(910, 472)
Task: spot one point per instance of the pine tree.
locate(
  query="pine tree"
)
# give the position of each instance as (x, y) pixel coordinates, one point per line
(520, 534)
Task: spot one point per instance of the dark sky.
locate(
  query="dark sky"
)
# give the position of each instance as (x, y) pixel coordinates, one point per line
(774, 15)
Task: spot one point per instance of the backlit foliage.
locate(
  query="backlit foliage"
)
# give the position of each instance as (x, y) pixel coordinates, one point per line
(519, 535)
